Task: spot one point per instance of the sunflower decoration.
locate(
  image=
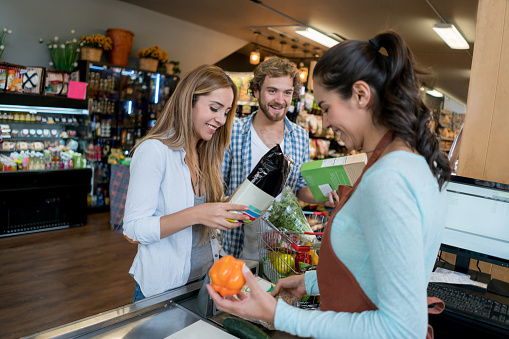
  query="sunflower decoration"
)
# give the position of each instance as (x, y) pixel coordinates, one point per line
(96, 41)
(154, 52)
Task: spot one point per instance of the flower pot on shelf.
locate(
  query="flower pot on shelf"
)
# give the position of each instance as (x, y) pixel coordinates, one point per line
(169, 68)
(122, 41)
(149, 64)
(91, 54)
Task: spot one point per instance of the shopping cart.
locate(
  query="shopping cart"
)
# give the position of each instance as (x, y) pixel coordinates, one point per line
(282, 250)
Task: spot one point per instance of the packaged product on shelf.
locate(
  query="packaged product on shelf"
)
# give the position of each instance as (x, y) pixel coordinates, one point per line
(115, 157)
(329, 134)
(319, 129)
(322, 148)
(312, 123)
(11, 78)
(3, 77)
(32, 78)
(56, 82)
(8, 146)
(312, 148)
(5, 131)
(263, 184)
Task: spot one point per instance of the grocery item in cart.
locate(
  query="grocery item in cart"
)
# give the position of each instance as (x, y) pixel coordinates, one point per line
(283, 263)
(263, 184)
(277, 241)
(283, 253)
(287, 215)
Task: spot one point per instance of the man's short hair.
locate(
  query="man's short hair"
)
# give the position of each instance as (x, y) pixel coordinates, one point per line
(276, 67)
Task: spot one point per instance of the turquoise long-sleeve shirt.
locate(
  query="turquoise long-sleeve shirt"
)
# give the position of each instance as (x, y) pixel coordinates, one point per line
(388, 235)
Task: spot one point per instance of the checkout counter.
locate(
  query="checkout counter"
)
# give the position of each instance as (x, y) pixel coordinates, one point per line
(186, 312)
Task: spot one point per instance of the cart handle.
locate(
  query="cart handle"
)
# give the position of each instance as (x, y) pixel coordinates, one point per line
(298, 248)
(284, 230)
(316, 213)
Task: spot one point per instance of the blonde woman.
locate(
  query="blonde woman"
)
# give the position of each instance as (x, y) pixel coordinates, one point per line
(173, 202)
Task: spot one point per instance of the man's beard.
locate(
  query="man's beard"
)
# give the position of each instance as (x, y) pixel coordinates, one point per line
(266, 110)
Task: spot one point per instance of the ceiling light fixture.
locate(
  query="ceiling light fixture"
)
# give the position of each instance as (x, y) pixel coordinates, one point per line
(435, 93)
(451, 36)
(305, 29)
(254, 57)
(283, 43)
(316, 36)
(270, 38)
(303, 72)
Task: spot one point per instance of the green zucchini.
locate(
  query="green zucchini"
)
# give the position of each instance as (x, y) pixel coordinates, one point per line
(244, 329)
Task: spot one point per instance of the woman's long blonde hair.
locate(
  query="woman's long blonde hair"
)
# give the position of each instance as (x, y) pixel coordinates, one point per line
(174, 126)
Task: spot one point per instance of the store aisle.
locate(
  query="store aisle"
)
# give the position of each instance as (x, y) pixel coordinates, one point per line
(51, 278)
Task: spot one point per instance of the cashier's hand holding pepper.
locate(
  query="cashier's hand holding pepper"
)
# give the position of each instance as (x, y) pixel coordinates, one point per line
(258, 304)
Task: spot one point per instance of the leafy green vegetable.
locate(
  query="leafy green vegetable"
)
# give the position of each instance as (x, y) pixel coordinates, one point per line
(288, 214)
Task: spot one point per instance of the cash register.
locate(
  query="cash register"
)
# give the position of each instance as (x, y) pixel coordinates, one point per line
(477, 228)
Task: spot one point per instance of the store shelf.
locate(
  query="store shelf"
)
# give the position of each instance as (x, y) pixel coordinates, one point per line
(9, 98)
(32, 124)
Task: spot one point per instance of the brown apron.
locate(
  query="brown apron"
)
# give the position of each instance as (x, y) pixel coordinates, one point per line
(339, 290)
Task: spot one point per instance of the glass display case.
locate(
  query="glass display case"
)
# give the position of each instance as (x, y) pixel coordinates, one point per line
(123, 102)
(36, 127)
(44, 182)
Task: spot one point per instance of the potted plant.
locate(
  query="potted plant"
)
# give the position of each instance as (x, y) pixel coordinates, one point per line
(150, 57)
(93, 46)
(3, 33)
(172, 67)
(64, 55)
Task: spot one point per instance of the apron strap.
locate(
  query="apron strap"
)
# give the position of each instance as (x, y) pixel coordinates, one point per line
(437, 308)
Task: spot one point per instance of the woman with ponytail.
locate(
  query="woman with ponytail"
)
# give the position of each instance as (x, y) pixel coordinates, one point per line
(379, 248)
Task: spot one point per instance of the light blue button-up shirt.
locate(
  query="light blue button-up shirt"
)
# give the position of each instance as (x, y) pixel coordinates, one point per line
(159, 184)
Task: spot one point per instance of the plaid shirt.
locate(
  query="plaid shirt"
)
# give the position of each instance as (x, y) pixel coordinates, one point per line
(119, 182)
(237, 166)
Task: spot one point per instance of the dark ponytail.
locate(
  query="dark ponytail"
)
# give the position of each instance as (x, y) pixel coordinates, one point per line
(396, 100)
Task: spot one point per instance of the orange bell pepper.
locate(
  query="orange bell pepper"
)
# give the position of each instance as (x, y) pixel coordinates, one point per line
(226, 276)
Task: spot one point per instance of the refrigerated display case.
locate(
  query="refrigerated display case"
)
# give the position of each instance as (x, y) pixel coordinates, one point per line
(46, 185)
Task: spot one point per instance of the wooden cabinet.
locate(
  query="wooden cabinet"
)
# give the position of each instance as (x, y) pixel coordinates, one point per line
(485, 140)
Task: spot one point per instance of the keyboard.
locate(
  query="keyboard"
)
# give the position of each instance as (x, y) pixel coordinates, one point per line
(471, 304)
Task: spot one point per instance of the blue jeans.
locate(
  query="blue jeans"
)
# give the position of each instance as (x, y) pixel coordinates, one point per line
(137, 293)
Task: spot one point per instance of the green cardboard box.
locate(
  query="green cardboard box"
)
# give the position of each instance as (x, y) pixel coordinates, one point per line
(324, 176)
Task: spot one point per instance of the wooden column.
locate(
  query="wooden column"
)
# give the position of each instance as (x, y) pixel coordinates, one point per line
(484, 149)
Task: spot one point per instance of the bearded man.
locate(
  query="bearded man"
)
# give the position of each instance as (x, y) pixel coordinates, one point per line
(275, 82)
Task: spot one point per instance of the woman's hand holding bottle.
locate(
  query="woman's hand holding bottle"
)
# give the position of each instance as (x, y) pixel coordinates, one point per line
(217, 215)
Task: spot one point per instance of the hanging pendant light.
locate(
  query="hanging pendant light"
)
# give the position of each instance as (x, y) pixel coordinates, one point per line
(303, 72)
(294, 50)
(270, 37)
(254, 57)
(283, 43)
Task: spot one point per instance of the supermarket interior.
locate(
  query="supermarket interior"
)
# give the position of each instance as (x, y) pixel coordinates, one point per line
(82, 82)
